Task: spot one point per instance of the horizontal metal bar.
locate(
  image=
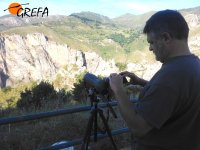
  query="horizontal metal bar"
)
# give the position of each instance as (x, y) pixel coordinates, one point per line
(79, 141)
(41, 115)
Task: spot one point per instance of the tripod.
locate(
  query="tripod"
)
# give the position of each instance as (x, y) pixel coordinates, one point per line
(92, 123)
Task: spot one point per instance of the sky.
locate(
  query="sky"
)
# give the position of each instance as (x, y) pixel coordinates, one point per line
(109, 8)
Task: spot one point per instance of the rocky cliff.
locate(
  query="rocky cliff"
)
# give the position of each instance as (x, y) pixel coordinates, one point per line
(34, 57)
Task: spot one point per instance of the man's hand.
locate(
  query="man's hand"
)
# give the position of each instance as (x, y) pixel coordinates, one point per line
(134, 78)
(116, 82)
(136, 123)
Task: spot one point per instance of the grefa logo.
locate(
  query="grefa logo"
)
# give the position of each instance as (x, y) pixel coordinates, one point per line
(18, 9)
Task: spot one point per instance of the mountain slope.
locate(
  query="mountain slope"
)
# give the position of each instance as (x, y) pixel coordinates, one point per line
(46, 44)
(132, 21)
(192, 16)
(92, 17)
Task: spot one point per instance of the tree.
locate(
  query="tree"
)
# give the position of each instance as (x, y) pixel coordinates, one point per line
(38, 95)
(79, 92)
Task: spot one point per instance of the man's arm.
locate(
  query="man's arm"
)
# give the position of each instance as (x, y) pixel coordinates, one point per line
(134, 121)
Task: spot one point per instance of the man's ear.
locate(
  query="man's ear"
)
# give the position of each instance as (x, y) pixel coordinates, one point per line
(166, 37)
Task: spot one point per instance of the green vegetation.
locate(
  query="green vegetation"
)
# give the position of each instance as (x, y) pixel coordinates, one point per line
(121, 66)
(40, 94)
(79, 91)
(119, 38)
(43, 97)
(95, 33)
(106, 39)
(10, 95)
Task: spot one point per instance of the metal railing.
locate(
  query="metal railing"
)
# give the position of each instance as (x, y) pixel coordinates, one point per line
(36, 116)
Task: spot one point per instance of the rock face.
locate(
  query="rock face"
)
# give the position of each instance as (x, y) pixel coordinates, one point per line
(144, 69)
(193, 20)
(33, 57)
(194, 43)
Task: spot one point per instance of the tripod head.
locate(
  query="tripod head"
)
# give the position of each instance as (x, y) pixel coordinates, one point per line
(93, 96)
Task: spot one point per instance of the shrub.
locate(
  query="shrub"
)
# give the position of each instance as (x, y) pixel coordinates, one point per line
(26, 98)
(63, 95)
(119, 38)
(37, 96)
(10, 95)
(79, 93)
(40, 94)
(121, 66)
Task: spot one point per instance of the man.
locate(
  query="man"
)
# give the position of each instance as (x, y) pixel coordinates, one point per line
(167, 113)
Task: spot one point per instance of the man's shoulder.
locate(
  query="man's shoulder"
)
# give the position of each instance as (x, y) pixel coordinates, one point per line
(181, 65)
(178, 70)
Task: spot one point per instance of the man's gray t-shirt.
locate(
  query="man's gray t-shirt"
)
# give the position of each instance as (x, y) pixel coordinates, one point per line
(170, 103)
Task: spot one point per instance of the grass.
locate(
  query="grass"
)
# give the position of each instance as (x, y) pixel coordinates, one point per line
(44, 132)
(41, 133)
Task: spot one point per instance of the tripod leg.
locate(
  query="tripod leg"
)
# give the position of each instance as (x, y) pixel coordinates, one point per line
(86, 139)
(107, 128)
(95, 124)
(112, 111)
